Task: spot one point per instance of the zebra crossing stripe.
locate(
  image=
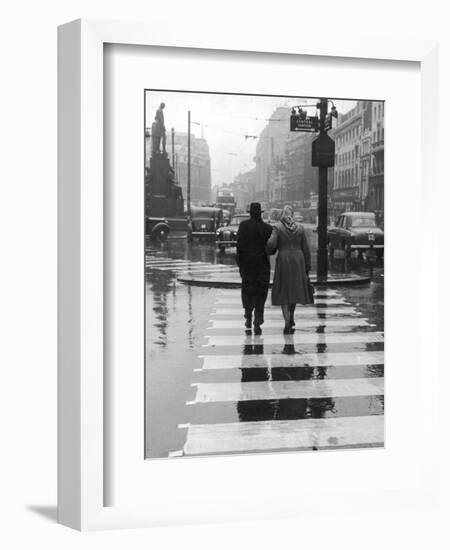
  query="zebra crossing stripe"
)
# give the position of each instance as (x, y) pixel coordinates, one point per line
(325, 301)
(227, 324)
(318, 293)
(309, 433)
(271, 312)
(169, 261)
(215, 268)
(270, 339)
(187, 268)
(266, 361)
(300, 389)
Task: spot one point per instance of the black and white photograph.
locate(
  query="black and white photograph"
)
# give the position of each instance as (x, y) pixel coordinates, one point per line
(264, 273)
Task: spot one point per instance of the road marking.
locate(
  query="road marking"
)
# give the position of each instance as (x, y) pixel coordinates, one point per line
(284, 434)
(318, 294)
(299, 389)
(188, 268)
(265, 361)
(279, 323)
(172, 262)
(322, 301)
(296, 338)
(275, 311)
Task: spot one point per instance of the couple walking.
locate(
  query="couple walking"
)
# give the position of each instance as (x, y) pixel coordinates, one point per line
(256, 240)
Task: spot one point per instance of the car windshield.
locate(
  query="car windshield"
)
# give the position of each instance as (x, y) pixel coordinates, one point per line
(236, 220)
(363, 221)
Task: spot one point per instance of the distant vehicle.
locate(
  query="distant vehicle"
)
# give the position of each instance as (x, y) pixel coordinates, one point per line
(157, 228)
(226, 217)
(298, 217)
(227, 236)
(225, 200)
(204, 222)
(274, 216)
(356, 231)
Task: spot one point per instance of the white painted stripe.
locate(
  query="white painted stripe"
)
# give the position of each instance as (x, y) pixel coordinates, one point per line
(275, 311)
(172, 262)
(187, 269)
(299, 389)
(263, 361)
(284, 434)
(331, 301)
(214, 268)
(225, 293)
(299, 323)
(296, 338)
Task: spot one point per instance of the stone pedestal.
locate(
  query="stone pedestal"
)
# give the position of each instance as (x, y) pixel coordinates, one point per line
(163, 197)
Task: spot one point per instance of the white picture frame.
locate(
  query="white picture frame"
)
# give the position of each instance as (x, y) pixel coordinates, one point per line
(81, 482)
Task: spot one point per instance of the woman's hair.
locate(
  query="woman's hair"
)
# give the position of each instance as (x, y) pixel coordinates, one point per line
(288, 211)
(287, 218)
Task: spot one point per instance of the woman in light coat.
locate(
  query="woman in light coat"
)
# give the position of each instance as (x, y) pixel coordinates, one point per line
(291, 282)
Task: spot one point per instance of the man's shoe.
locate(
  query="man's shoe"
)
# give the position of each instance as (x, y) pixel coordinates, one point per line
(257, 330)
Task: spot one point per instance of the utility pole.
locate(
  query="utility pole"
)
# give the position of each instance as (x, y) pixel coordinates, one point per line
(322, 252)
(173, 148)
(188, 198)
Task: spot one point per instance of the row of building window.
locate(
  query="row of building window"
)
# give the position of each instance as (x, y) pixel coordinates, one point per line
(348, 136)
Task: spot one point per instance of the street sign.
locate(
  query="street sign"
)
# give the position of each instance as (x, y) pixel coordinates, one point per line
(323, 151)
(304, 124)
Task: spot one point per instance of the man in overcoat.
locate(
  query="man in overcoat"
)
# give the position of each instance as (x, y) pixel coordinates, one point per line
(254, 266)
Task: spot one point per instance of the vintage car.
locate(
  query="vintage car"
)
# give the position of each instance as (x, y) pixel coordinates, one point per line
(356, 231)
(204, 222)
(226, 236)
(226, 216)
(157, 228)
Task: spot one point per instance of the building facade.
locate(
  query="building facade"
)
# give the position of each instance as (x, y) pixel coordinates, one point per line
(353, 137)
(243, 188)
(376, 177)
(270, 154)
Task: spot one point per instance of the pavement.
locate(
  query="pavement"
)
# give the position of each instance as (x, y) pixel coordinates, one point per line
(216, 389)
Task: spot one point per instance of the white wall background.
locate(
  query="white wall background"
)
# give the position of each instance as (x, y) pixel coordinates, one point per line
(28, 268)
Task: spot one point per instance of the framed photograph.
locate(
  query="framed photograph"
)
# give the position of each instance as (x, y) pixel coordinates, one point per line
(232, 289)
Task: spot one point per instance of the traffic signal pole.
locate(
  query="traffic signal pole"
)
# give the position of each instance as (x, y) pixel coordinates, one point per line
(188, 197)
(322, 252)
(322, 156)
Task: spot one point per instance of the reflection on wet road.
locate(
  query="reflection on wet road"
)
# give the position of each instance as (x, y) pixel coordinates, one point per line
(213, 389)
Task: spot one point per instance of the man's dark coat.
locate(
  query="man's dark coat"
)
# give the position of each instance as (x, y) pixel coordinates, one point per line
(251, 256)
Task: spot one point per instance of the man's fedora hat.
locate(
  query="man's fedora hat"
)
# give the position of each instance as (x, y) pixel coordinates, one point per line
(255, 208)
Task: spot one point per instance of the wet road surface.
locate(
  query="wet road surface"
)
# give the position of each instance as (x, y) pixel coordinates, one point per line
(213, 389)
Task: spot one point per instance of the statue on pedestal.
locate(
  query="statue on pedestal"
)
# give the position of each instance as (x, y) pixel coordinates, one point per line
(159, 131)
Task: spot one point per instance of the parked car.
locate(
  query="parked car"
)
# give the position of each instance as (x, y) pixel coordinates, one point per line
(356, 231)
(226, 236)
(204, 222)
(157, 228)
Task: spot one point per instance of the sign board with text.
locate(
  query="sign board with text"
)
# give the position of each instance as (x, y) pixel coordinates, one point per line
(304, 124)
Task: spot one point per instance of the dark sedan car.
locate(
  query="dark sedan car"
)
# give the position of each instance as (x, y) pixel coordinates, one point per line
(226, 236)
(203, 222)
(356, 231)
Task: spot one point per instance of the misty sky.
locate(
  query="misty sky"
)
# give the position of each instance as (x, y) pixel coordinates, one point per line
(226, 120)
